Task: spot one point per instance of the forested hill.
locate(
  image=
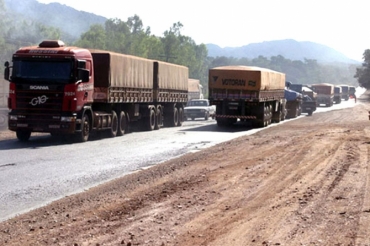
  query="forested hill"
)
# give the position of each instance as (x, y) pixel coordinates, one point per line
(70, 21)
(289, 49)
(73, 23)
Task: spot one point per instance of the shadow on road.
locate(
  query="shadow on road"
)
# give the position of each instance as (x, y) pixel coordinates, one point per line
(237, 127)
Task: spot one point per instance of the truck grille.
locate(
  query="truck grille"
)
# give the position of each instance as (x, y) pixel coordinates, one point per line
(40, 101)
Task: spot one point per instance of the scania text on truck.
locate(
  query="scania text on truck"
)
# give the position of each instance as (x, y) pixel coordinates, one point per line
(247, 93)
(73, 92)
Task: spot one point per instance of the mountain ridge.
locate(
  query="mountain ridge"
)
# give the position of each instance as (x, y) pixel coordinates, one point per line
(55, 15)
(288, 48)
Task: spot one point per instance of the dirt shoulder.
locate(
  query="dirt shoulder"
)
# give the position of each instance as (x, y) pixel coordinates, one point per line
(305, 182)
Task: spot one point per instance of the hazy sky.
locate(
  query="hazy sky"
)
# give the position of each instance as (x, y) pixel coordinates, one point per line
(342, 25)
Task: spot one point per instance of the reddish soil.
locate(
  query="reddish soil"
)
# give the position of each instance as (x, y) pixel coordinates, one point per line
(305, 182)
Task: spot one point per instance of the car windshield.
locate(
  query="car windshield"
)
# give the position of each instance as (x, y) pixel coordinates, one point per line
(37, 70)
(197, 103)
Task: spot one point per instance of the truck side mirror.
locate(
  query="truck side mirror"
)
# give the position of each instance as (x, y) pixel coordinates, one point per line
(6, 71)
(83, 75)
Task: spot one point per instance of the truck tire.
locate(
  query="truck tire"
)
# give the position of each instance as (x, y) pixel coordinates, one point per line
(221, 122)
(122, 123)
(175, 117)
(171, 117)
(158, 120)
(150, 121)
(180, 117)
(23, 136)
(114, 127)
(84, 134)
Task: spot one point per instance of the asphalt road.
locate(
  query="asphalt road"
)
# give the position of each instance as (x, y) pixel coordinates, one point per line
(44, 169)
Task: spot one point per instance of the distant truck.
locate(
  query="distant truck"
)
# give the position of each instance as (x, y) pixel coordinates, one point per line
(325, 94)
(345, 92)
(247, 93)
(308, 97)
(352, 91)
(199, 108)
(337, 94)
(195, 89)
(73, 92)
(293, 103)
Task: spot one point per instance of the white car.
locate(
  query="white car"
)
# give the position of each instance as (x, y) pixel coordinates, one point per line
(199, 108)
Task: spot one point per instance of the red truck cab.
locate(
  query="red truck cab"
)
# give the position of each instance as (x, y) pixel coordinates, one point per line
(50, 85)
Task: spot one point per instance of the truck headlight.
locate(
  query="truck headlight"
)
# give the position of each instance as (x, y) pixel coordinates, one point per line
(67, 118)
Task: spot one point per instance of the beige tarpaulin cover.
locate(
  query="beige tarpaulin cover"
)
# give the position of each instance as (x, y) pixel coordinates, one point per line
(172, 76)
(193, 85)
(245, 78)
(323, 88)
(119, 70)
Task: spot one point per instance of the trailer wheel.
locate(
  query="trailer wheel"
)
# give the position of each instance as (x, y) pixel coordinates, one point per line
(266, 116)
(150, 123)
(114, 126)
(279, 117)
(122, 124)
(171, 117)
(84, 134)
(23, 136)
(175, 116)
(180, 117)
(158, 121)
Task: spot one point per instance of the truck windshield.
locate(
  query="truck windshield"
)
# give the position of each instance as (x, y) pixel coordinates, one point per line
(296, 87)
(51, 71)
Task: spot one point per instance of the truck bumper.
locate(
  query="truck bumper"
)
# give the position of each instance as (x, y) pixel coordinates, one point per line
(56, 124)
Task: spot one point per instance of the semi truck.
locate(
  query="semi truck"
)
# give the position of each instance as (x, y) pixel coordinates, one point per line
(293, 103)
(352, 91)
(308, 97)
(195, 89)
(325, 94)
(337, 94)
(73, 92)
(345, 92)
(247, 93)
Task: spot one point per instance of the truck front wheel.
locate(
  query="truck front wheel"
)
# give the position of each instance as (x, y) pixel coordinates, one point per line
(23, 136)
(84, 134)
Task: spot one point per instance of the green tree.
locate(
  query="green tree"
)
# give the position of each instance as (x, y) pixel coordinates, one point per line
(94, 38)
(363, 73)
(171, 42)
(138, 40)
(116, 33)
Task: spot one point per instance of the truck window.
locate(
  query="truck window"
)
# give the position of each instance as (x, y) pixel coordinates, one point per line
(52, 71)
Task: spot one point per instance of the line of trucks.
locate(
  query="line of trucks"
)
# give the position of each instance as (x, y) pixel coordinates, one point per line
(74, 92)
